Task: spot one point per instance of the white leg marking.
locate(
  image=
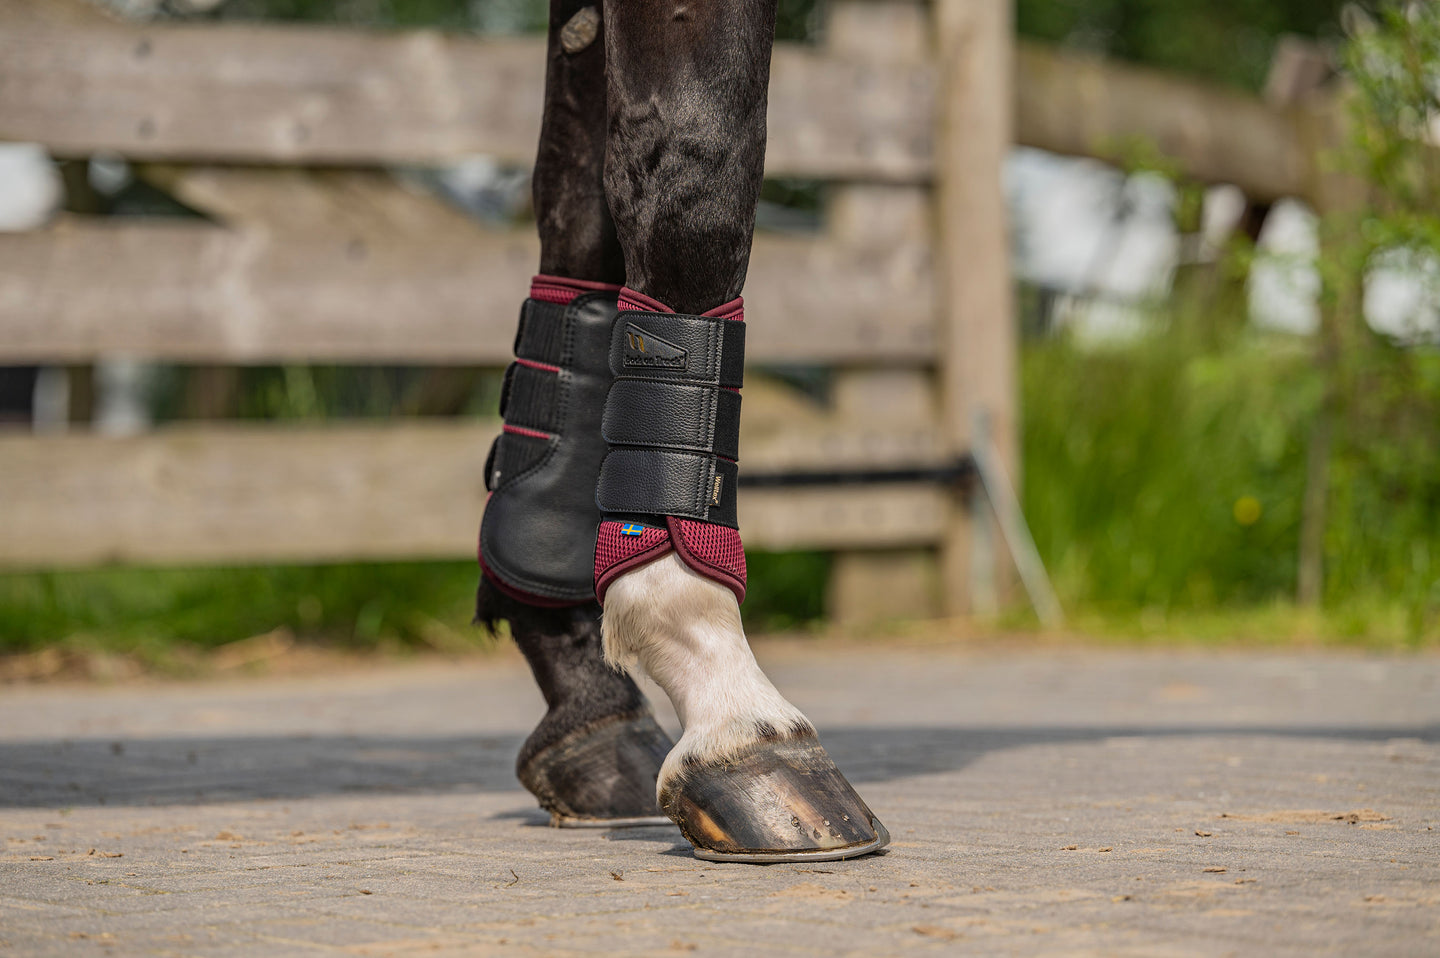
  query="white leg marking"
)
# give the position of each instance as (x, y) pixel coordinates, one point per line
(684, 631)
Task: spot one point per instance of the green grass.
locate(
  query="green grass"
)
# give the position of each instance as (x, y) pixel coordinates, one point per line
(159, 616)
(149, 613)
(1164, 484)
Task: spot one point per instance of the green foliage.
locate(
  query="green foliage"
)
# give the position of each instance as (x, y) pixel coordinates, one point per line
(1384, 477)
(148, 612)
(1393, 62)
(786, 590)
(1144, 467)
(341, 392)
(1165, 477)
(1171, 474)
(1226, 40)
(154, 613)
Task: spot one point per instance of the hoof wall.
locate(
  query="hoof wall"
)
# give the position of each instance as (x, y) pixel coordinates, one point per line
(602, 775)
(776, 802)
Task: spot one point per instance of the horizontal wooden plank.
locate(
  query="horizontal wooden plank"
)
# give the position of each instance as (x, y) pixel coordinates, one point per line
(191, 292)
(319, 96)
(271, 494)
(307, 95)
(1088, 106)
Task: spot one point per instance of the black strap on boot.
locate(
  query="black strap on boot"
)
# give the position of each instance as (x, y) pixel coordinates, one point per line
(540, 520)
(672, 418)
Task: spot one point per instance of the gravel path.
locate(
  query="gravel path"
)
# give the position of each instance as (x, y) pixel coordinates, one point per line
(1042, 802)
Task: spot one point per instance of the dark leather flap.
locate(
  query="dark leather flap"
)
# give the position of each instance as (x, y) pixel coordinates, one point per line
(675, 346)
(679, 416)
(661, 482)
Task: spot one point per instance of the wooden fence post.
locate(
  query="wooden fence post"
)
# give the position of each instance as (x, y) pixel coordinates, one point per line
(1339, 198)
(874, 585)
(976, 327)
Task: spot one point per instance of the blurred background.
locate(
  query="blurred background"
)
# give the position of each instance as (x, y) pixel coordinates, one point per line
(1228, 412)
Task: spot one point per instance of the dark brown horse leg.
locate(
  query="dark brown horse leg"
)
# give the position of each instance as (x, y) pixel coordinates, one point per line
(577, 234)
(749, 780)
(595, 756)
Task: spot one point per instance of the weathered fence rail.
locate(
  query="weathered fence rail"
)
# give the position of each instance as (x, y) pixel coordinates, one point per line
(909, 112)
(197, 293)
(321, 96)
(245, 494)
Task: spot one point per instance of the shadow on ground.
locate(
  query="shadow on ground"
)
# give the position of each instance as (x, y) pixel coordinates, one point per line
(82, 772)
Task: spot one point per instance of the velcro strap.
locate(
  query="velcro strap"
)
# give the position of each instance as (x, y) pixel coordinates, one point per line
(697, 349)
(528, 397)
(541, 335)
(644, 412)
(662, 482)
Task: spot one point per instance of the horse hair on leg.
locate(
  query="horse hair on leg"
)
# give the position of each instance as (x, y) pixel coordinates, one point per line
(577, 233)
(748, 780)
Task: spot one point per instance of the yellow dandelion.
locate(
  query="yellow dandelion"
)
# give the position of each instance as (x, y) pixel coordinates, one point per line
(1247, 510)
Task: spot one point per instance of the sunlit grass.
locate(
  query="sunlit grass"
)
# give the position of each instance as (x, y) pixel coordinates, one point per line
(164, 618)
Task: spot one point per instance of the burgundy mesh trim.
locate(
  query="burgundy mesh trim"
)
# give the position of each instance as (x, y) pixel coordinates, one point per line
(616, 554)
(735, 309)
(522, 431)
(562, 289)
(630, 299)
(713, 551)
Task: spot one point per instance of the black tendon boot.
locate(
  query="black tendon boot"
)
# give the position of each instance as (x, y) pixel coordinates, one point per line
(594, 758)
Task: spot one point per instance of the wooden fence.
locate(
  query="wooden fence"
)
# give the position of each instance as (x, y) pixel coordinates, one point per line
(906, 293)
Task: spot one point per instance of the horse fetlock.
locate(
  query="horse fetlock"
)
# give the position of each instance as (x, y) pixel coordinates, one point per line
(684, 631)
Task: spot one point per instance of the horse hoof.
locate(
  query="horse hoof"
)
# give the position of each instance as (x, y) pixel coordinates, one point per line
(775, 802)
(602, 775)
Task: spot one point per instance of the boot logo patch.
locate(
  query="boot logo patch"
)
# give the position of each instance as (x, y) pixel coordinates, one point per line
(643, 348)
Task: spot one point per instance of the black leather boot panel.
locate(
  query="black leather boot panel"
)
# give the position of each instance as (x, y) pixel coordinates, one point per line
(538, 532)
(672, 418)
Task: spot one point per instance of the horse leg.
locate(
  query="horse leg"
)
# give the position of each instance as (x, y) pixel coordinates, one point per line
(595, 755)
(748, 780)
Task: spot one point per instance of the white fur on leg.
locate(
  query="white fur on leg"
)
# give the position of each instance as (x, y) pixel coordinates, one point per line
(684, 631)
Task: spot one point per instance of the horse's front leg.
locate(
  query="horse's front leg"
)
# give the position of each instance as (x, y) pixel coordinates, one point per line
(595, 756)
(748, 780)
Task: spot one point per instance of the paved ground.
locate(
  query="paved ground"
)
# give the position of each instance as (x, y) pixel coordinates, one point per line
(1042, 802)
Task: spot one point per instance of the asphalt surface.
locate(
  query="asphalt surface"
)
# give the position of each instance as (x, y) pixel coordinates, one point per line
(1042, 802)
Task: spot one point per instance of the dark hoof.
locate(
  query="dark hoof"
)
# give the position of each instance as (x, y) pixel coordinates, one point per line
(776, 802)
(602, 775)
